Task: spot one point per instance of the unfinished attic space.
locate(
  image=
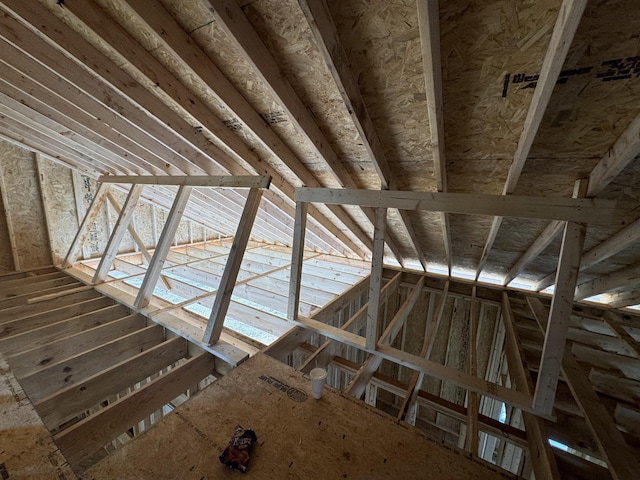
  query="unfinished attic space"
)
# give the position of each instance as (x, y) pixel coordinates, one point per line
(209, 205)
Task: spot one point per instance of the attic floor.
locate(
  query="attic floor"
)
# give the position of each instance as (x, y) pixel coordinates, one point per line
(26, 447)
(334, 437)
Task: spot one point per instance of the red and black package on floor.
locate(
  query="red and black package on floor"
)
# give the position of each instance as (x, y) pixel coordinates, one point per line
(237, 454)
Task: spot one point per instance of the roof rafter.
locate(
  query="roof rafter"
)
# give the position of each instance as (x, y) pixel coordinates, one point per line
(176, 40)
(240, 31)
(565, 28)
(66, 38)
(429, 25)
(326, 36)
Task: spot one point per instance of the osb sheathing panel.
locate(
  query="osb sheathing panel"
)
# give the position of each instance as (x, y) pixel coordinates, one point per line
(590, 111)
(382, 43)
(334, 437)
(28, 450)
(144, 223)
(6, 256)
(84, 190)
(24, 205)
(127, 243)
(60, 207)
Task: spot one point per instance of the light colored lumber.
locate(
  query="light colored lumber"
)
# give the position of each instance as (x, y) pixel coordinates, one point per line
(175, 39)
(375, 280)
(471, 440)
(24, 324)
(230, 274)
(219, 181)
(408, 409)
(297, 260)
(137, 239)
(560, 312)
(535, 249)
(423, 365)
(622, 152)
(164, 244)
(621, 461)
(84, 438)
(544, 464)
(75, 369)
(60, 329)
(585, 210)
(33, 359)
(564, 30)
(34, 286)
(361, 379)
(121, 227)
(64, 404)
(625, 277)
(63, 293)
(326, 37)
(85, 226)
(614, 321)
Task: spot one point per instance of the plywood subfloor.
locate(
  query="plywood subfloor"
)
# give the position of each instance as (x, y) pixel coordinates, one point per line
(298, 437)
(27, 450)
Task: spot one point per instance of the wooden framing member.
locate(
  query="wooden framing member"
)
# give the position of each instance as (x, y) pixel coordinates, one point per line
(68, 402)
(175, 39)
(626, 277)
(220, 181)
(85, 226)
(326, 36)
(375, 282)
(564, 30)
(297, 257)
(296, 336)
(324, 354)
(230, 274)
(560, 314)
(84, 438)
(136, 237)
(622, 462)
(541, 455)
(429, 26)
(239, 30)
(122, 225)
(473, 404)
(164, 244)
(614, 321)
(535, 249)
(625, 149)
(361, 379)
(584, 210)
(408, 410)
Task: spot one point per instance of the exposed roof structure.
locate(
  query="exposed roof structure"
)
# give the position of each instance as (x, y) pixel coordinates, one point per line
(462, 143)
(520, 99)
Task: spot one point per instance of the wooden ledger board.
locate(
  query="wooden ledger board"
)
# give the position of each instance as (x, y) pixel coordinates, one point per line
(298, 436)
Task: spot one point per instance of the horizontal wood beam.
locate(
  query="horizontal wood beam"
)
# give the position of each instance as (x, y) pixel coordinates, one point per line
(84, 438)
(423, 365)
(220, 181)
(584, 210)
(74, 399)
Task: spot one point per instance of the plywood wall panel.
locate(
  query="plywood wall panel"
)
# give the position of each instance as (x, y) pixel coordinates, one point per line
(24, 206)
(6, 258)
(60, 207)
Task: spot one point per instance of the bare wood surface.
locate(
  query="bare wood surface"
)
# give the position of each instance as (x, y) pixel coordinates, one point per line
(312, 439)
(84, 438)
